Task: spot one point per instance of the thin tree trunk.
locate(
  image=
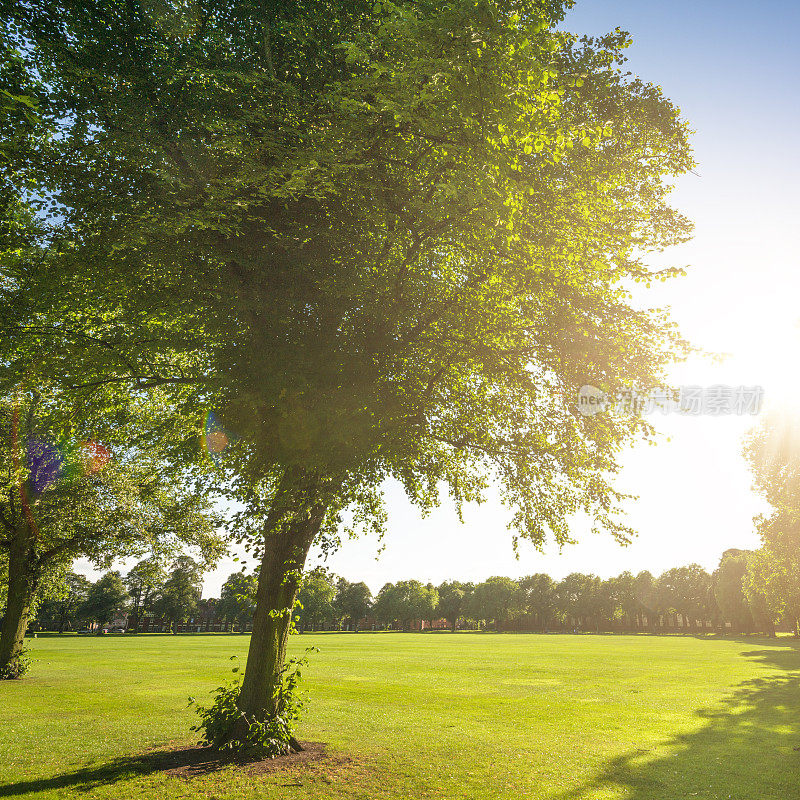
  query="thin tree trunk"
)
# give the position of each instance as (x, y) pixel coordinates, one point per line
(22, 580)
(288, 535)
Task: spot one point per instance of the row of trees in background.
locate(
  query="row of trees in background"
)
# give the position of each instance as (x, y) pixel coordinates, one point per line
(148, 589)
(686, 598)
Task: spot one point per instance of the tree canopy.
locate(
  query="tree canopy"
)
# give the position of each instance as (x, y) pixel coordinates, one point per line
(67, 495)
(104, 599)
(772, 580)
(375, 239)
(238, 596)
(179, 596)
(398, 262)
(144, 582)
(315, 600)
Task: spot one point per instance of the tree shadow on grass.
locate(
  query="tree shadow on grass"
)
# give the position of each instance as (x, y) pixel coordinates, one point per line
(747, 749)
(185, 762)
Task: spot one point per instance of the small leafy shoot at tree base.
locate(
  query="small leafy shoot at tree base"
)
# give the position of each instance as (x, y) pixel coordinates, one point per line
(225, 727)
(17, 667)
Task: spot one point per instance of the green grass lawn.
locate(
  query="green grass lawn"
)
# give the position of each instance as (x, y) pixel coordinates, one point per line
(419, 716)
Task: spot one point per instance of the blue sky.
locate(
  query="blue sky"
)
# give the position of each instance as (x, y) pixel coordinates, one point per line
(731, 68)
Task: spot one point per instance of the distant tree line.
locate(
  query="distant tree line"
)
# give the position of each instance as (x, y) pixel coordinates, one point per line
(147, 593)
(152, 598)
(684, 598)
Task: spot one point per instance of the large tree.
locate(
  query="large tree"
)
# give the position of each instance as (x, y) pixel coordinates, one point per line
(539, 598)
(577, 599)
(352, 601)
(62, 611)
(315, 600)
(647, 598)
(498, 599)
(407, 601)
(772, 581)
(621, 591)
(144, 581)
(238, 598)
(452, 602)
(381, 239)
(104, 598)
(729, 590)
(180, 595)
(687, 591)
(65, 495)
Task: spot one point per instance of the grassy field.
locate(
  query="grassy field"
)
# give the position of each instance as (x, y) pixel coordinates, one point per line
(425, 716)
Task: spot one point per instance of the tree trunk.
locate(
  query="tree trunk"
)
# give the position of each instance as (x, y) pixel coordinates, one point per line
(22, 581)
(288, 535)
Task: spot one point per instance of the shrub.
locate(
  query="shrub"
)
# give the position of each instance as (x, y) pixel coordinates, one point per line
(17, 667)
(224, 726)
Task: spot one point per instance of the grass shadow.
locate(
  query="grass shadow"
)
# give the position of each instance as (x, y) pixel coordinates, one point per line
(184, 762)
(747, 749)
